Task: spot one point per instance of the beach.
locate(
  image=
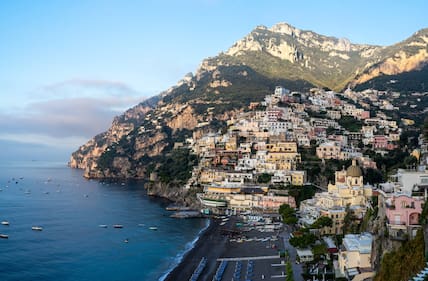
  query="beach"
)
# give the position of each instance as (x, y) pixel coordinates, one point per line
(217, 242)
(211, 245)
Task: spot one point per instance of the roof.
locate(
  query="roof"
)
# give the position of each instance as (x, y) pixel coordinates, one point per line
(304, 252)
(354, 170)
(358, 242)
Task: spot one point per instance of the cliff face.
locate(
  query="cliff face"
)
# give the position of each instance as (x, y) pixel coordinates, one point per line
(285, 51)
(174, 193)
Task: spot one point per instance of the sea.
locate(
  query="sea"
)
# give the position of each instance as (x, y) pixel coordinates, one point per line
(73, 245)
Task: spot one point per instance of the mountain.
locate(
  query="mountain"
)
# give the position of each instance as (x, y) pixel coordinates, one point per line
(141, 139)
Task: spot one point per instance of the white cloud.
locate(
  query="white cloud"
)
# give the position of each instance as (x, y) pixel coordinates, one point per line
(68, 113)
(66, 142)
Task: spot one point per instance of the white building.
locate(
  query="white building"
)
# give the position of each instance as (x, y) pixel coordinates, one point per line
(355, 254)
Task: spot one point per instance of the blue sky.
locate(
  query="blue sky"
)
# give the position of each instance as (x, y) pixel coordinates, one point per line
(68, 67)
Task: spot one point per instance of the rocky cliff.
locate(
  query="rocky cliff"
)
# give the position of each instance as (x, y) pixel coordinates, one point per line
(225, 84)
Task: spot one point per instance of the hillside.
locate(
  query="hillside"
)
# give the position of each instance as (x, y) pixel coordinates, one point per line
(225, 84)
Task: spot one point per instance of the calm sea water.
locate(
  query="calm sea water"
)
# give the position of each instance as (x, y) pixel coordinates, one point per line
(72, 246)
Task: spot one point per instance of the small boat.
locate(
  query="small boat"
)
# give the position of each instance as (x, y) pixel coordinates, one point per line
(5, 223)
(37, 228)
(117, 226)
(153, 228)
(103, 226)
(4, 236)
(223, 223)
(126, 240)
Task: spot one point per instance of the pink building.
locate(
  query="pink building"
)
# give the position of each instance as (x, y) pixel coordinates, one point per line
(365, 115)
(380, 142)
(274, 202)
(403, 210)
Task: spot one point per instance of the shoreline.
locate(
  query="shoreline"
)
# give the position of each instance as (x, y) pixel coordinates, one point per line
(210, 244)
(182, 256)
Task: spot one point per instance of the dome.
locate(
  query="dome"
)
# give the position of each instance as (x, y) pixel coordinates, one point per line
(354, 170)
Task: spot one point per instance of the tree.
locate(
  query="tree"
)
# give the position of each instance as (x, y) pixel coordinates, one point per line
(349, 225)
(303, 241)
(373, 176)
(264, 178)
(322, 222)
(288, 214)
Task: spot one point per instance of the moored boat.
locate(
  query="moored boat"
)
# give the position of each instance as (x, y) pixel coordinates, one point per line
(118, 226)
(102, 225)
(37, 228)
(4, 236)
(153, 228)
(5, 223)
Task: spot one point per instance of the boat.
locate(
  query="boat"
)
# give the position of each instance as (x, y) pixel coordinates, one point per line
(126, 240)
(5, 223)
(223, 223)
(103, 225)
(4, 236)
(153, 228)
(37, 228)
(117, 226)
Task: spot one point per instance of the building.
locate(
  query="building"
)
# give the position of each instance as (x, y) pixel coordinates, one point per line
(348, 190)
(411, 180)
(402, 212)
(328, 150)
(305, 255)
(355, 254)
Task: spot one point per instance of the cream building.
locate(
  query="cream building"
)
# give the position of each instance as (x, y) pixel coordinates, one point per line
(355, 254)
(328, 150)
(348, 190)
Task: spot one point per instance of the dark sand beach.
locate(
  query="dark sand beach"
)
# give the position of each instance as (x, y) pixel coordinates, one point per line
(211, 245)
(214, 244)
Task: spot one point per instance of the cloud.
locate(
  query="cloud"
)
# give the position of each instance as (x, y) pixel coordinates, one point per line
(68, 113)
(84, 88)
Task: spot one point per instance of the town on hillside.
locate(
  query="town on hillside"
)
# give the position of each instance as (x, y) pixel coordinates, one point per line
(346, 172)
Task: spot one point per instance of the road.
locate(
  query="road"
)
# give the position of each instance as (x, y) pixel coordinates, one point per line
(297, 268)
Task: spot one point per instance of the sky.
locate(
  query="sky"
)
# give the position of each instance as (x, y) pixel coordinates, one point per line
(68, 67)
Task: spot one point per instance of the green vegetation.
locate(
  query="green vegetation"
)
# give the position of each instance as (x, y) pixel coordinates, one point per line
(301, 193)
(373, 176)
(176, 166)
(288, 214)
(303, 240)
(289, 271)
(106, 159)
(350, 224)
(410, 254)
(319, 250)
(321, 222)
(264, 178)
(350, 123)
(393, 160)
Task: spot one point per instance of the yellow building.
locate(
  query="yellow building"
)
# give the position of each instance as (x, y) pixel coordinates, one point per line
(282, 147)
(337, 216)
(283, 160)
(298, 178)
(349, 188)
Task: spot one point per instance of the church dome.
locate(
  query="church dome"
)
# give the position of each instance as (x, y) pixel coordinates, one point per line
(354, 170)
